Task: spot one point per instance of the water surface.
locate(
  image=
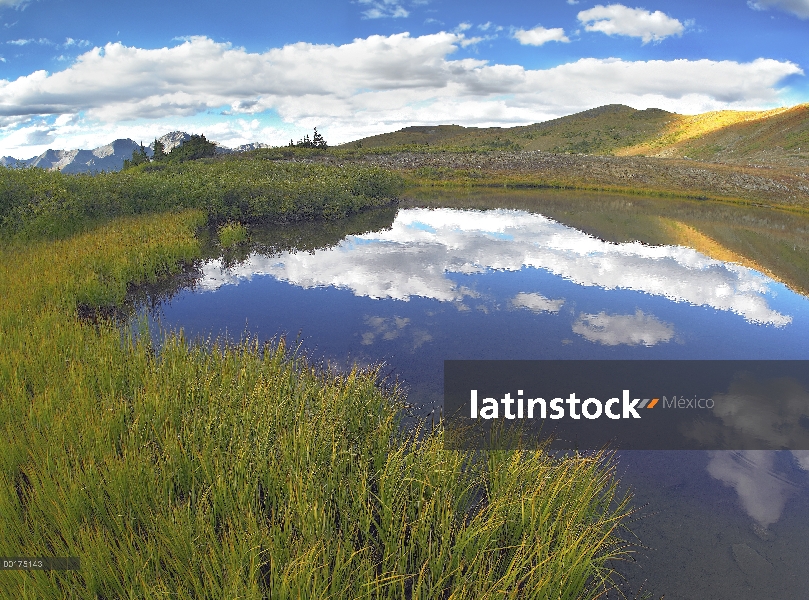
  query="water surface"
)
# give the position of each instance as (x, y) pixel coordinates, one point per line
(559, 276)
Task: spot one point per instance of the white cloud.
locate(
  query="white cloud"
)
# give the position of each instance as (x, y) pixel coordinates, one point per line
(380, 9)
(632, 330)
(25, 42)
(537, 302)
(444, 241)
(13, 3)
(79, 43)
(367, 86)
(617, 19)
(539, 35)
(466, 42)
(799, 8)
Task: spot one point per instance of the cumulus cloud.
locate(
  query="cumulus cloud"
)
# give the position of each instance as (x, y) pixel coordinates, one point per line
(375, 84)
(539, 35)
(37, 137)
(799, 8)
(617, 19)
(443, 241)
(632, 330)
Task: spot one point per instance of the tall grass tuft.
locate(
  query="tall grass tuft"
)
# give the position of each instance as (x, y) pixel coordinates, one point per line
(244, 472)
(232, 234)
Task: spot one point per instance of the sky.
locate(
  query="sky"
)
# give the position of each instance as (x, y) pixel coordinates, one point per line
(81, 73)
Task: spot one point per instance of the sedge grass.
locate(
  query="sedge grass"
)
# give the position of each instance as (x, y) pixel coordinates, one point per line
(232, 234)
(243, 472)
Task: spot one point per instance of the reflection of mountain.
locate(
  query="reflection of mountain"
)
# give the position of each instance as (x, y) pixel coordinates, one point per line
(415, 256)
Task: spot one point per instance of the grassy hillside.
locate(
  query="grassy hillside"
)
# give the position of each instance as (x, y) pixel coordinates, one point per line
(780, 136)
(775, 136)
(597, 131)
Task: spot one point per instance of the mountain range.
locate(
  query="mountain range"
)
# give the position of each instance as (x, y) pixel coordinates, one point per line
(106, 158)
(774, 137)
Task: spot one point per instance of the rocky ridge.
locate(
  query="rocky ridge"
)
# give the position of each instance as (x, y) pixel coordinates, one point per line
(110, 157)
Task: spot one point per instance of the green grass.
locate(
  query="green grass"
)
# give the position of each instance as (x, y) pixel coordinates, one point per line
(232, 234)
(242, 471)
(36, 203)
(601, 130)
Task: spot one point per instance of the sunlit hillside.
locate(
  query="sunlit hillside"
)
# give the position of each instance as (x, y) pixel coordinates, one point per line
(779, 135)
(774, 136)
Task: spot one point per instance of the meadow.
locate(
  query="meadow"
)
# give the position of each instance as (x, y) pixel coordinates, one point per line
(35, 202)
(244, 471)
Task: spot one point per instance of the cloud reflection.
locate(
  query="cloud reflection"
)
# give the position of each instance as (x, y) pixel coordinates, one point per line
(537, 303)
(762, 491)
(752, 411)
(391, 328)
(632, 330)
(774, 410)
(423, 247)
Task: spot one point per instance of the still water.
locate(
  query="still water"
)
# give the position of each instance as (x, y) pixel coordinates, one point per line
(545, 275)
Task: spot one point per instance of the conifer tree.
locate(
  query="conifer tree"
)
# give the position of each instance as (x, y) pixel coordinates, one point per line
(318, 141)
(139, 157)
(159, 151)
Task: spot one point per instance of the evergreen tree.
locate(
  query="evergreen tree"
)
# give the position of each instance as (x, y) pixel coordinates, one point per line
(318, 141)
(159, 151)
(139, 157)
(192, 149)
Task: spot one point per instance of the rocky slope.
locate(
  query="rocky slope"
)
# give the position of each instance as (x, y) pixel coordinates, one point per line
(759, 184)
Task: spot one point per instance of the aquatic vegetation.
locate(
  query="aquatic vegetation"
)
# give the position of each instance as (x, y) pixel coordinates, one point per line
(231, 234)
(242, 471)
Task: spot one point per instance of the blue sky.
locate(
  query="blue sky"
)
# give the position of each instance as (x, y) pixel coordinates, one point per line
(80, 73)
